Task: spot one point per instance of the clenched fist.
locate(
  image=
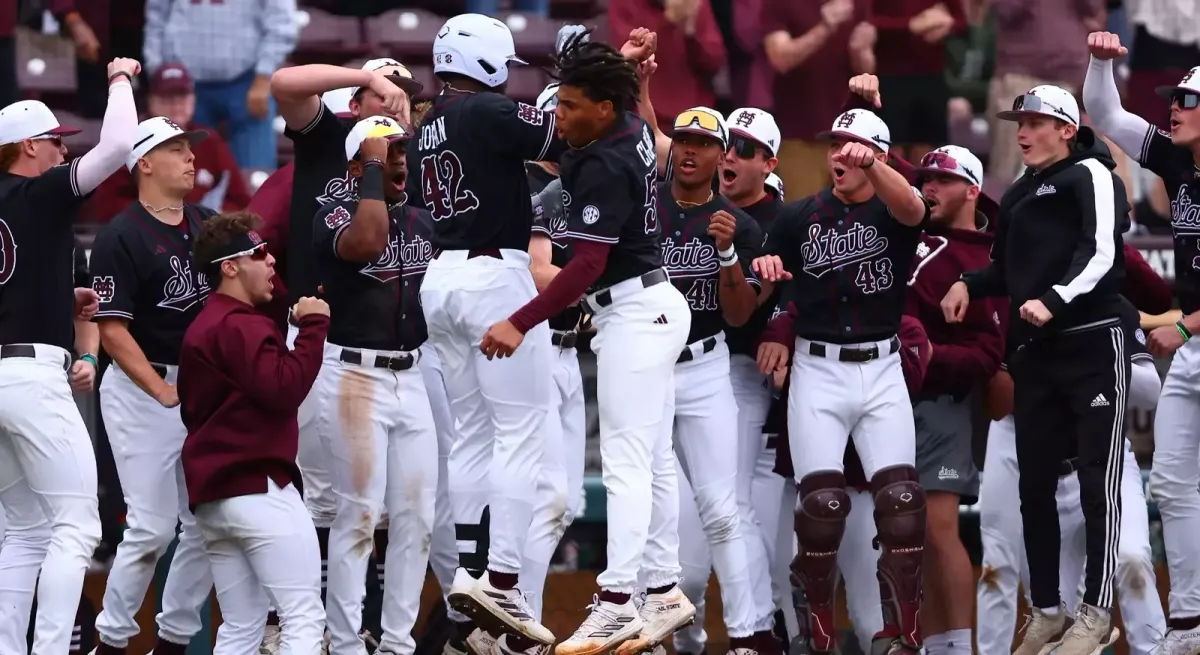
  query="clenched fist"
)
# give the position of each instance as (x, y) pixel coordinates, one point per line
(130, 67)
(866, 86)
(309, 305)
(1105, 46)
(855, 155)
(721, 226)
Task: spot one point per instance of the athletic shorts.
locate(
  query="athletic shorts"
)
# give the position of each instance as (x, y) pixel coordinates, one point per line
(944, 454)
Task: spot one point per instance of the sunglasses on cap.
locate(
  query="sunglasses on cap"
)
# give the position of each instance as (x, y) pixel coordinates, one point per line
(705, 120)
(744, 148)
(257, 253)
(1032, 103)
(946, 162)
(1186, 99)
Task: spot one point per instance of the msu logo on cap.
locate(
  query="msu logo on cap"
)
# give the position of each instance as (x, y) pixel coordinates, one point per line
(846, 120)
(254, 238)
(744, 119)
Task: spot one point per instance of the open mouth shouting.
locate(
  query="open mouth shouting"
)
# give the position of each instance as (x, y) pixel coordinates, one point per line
(838, 172)
(728, 176)
(687, 165)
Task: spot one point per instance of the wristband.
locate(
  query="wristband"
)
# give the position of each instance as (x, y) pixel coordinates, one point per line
(371, 185)
(114, 76)
(89, 358)
(869, 165)
(730, 253)
(1183, 331)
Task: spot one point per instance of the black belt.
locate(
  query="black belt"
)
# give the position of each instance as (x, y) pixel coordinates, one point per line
(398, 363)
(494, 253)
(706, 346)
(855, 355)
(1068, 466)
(564, 340)
(26, 351)
(604, 298)
(772, 442)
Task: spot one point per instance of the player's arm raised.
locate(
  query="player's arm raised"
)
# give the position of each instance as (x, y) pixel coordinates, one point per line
(116, 133)
(902, 199)
(365, 236)
(1103, 101)
(298, 89)
(737, 291)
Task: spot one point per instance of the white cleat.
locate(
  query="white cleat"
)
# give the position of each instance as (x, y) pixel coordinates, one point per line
(1180, 642)
(495, 610)
(662, 615)
(272, 638)
(605, 629)
(479, 642)
(502, 648)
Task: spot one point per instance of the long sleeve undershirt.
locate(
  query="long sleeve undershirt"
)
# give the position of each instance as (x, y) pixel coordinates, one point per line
(116, 139)
(585, 267)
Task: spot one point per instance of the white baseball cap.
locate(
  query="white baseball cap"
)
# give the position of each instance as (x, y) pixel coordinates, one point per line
(547, 100)
(1044, 100)
(29, 119)
(954, 160)
(1189, 84)
(775, 183)
(153, 132)
(373, 127)
(757, 125)
(702, 121)
(400, 76)
(860, 125)
(338, 100)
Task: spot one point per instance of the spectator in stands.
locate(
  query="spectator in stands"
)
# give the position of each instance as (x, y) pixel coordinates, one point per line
(231, 50)
(220, 184)
(492, 7)
(1036, 43)
(814, 48)
(911, 60)
(101, 30)
(690, 48)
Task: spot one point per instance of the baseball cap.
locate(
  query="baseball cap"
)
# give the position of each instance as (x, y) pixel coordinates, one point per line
(370, 128)
(401, 76)
(703, 121)
(774, 183)
(757, 125)
(860, 125)
(171, 80)
(1044, 100)
(547, 100)
(338, 100)
(29, 119)
(954, 160)
(153, 132)
(1189, 86)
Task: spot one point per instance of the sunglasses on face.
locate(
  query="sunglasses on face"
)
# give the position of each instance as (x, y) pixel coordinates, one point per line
(1185, 99)
(257, 253)
(1030, 102)
(946, 162)
(743, 148)
(53, 139)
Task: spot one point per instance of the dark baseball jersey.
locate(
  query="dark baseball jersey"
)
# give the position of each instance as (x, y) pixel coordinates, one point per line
(466, 165)
(1177, 167)
(550, 219)
(538, 177)
(83, 277)
(742, 340)
(319, 178)
(610, 194)
(849, 265)
(145, 273)
(37, 237)
(690, 256)
(372, 305)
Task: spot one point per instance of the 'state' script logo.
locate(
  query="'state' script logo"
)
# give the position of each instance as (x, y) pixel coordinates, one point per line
(829, 250)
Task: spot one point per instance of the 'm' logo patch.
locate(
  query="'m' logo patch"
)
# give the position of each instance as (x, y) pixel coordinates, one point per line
(104, 287)
(337, 218)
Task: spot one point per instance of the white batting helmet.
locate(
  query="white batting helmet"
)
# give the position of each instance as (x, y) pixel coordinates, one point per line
(476, 46)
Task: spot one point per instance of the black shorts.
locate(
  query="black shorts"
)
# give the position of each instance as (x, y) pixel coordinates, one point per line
(914, 108)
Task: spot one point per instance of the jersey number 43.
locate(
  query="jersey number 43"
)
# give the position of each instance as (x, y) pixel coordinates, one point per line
(441, 184)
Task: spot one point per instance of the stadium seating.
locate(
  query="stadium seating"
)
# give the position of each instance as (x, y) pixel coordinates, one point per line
(406, 34)
(323, 34)
(45, 64)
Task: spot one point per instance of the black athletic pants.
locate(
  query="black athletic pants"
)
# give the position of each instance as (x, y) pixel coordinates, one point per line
(1069, 406)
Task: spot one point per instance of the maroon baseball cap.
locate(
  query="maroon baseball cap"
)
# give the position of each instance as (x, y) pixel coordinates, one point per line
(171, 80)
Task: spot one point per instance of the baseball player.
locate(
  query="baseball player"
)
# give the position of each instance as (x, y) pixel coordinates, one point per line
(1173, 156)
(708, 244)
(609, 191)
(46, 451)
(240, 390)
(468, 165)
(1057, 256)
(848, 250)
(150, 291)
(375, 418)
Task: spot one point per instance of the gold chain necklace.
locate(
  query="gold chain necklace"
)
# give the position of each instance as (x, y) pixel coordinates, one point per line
(683, 204)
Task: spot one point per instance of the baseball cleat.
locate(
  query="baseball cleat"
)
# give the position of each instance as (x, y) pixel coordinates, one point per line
(272, 638)
(497, 611)
(607, 627)
(502, 648)
(661, 614)
(479, 642)
(1180, 642)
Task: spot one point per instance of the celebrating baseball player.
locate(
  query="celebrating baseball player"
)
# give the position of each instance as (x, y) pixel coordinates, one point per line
(240, 390)
(47, 453)
(642, 324)
(1058, 256)
(1174, 156)
(848, 251)
(375, 418)
(150, 292)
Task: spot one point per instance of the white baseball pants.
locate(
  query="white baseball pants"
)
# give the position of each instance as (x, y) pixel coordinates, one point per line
(569, 404)
(1174, 475)
(499, 406)
(311, 456)
(46, 454)
(1004, 560)
(858, 561)
(707, 440)
(443, 553)
(831, 402)
(638, 338)
(147, 441)
(264, 553)
(378, 428)
(26, 538)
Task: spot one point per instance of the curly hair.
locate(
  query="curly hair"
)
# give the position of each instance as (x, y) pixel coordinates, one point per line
(600, 70)
(215, 235)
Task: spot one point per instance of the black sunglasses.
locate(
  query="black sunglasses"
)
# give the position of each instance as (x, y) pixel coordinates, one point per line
(1186, 99)
(744, 148)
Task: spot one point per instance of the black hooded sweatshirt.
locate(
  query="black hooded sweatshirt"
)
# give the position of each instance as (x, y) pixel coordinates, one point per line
(1058, 240)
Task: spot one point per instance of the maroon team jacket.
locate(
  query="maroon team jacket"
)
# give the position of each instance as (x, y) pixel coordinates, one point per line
(239, 391)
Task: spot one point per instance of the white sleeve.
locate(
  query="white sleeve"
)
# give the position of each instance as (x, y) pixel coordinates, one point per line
(1144, 384)
(116, 139)
(1103, 103)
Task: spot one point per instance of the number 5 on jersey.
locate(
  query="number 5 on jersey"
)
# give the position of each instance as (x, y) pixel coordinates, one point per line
(441, 184)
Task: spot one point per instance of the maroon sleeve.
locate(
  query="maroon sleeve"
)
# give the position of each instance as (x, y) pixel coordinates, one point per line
(775, 18)
(781, 328)
(256, 358)
(1143, 286)
(273, 202)
(237, 196)
(113, 195)
(914, 353)
(587, 263)
(974, 356)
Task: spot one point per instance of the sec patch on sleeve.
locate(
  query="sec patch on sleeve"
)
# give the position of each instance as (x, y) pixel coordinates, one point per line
(104, 287)
(337, 218)
(530, 114)
(591, 214)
